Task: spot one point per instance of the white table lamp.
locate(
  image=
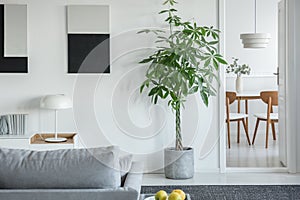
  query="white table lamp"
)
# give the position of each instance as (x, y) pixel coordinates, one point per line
(56, 102)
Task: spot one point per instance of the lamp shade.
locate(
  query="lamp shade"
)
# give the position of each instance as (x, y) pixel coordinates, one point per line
(255, 40)
(56, 102)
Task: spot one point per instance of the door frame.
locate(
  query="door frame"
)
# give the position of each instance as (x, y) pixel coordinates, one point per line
(291, 103)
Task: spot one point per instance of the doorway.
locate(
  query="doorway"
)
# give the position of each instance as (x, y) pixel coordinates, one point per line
(241, 155)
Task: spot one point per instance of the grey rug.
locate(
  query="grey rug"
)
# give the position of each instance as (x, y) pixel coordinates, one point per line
(233, 192)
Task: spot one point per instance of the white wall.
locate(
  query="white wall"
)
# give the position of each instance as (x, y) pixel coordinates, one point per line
(108, 108)
(293, 97)
(240, 19)
(263, 62)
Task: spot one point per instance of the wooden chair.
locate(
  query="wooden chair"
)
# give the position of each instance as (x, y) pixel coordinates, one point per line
(270, 98)
(234, 117)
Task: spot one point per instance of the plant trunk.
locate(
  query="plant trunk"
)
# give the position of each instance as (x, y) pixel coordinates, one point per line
(179, 146)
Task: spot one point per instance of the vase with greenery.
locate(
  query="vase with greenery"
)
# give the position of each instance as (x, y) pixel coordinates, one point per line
(239, 70)
(185, 62)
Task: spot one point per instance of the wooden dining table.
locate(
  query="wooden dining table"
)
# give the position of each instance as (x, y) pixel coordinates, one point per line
(245, 96)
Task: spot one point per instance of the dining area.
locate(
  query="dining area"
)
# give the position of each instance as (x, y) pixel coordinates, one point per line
(270, 117)
(252, 120)
(252, 128)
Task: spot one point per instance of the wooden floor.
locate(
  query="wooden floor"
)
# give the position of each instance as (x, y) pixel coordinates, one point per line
(243, 155)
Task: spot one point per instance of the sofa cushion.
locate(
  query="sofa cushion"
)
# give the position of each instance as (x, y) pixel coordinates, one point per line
(125, 164)
(69, 168)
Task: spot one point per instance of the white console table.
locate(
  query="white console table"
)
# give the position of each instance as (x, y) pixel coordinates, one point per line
(15, 141)
(36, 141)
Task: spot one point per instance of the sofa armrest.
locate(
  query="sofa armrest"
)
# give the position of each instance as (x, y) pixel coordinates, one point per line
(134, 177)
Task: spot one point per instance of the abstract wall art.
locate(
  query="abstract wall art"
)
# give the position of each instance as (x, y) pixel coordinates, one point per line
(88, 39)
(13, 39)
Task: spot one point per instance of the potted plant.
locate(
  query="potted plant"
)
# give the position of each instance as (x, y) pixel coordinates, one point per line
(238, 70)
(185, 62)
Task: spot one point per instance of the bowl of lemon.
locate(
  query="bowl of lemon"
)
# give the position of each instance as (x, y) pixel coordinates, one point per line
(176, 194)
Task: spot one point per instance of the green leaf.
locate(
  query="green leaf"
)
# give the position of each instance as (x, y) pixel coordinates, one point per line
(146, 60)
(155, 99)
(221, 60)
(213, 42)
(160, 93)
(204, 97)
(144, 31)
(153, 91)
(193, 90)
(215, 64)
(166, 2)
(173, 95)
(171, 2)
(142, 88)
(207, 62)
(166, 95)
(173, 10)
(192, 80)
(187, 32)
(163, 11)
(215, 35)
(158, 41)
(184, 88)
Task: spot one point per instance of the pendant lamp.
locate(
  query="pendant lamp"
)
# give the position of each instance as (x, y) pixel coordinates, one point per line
(255, 40)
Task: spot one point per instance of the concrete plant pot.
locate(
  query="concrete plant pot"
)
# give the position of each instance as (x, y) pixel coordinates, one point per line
(179, 164)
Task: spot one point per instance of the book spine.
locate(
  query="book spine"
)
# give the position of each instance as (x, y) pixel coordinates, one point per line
(16, 124)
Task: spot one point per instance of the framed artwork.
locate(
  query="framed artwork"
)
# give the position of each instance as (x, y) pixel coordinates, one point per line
(13, 39)
(88, 39)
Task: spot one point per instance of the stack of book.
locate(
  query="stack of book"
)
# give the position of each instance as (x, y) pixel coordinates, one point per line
(13, 124)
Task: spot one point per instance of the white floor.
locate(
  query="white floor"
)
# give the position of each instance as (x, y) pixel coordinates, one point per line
(226, 179)
(243, 155)
(240, 156)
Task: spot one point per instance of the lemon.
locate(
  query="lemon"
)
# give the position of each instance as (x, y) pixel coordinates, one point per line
(182, 194)
(175, 196)
(161, 195)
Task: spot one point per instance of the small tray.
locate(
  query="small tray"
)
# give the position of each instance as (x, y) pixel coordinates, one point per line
(39, 138)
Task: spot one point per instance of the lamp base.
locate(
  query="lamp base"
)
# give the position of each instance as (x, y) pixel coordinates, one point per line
(55, 140)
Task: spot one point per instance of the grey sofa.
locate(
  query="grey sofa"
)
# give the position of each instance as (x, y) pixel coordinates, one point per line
(52, 187)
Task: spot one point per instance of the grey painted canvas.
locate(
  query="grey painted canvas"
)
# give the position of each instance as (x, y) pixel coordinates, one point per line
(15, 30)
(88, 19)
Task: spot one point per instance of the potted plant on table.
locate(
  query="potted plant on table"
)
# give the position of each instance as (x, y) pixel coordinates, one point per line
(185, 62)
(238, 70)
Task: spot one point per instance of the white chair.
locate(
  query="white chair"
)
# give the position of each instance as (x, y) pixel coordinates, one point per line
(271, 99)
(234, 117)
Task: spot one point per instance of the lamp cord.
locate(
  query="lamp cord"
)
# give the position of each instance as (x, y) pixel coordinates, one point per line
(255, 16)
